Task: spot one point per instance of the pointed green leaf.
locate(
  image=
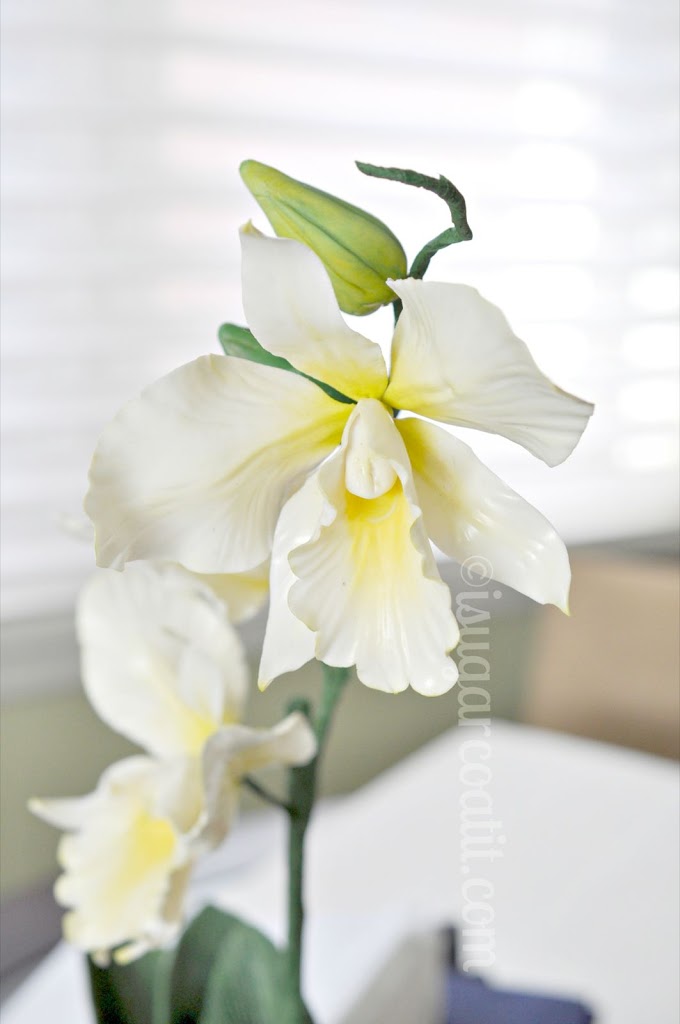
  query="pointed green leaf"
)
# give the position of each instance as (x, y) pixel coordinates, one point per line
(226, 972)
(240, 342)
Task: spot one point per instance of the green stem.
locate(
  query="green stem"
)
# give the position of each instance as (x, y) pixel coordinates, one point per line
(302, 792)
(446, 190)
(334, 680)
(422, 261)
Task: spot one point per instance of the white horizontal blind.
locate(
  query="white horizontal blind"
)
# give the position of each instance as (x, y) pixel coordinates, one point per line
(124, 124)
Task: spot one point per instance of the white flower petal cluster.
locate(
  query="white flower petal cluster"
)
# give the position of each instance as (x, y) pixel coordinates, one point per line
(162, 665)
(225, 463)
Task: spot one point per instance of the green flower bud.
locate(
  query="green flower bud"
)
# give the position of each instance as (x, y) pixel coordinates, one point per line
(358, 250)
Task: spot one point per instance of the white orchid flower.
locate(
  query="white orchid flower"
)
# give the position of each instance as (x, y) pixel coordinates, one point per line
(162, 665)
(199, 468)
(126, 860)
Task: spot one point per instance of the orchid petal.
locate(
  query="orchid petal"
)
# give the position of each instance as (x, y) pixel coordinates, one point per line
(291, 309)
(197, 468)
(470, 513)
(289, 742)
(288, 644)
(68, 813)
(161, 663)
(243, 593)
(367, 585)
(456, 359)
(236, 751)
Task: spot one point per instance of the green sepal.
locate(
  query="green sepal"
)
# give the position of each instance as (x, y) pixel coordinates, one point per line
(137, 993)
(241, 343)
(446, 190)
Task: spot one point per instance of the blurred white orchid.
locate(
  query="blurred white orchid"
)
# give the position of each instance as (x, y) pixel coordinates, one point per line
(126, 861)
(162, 665)
(203, 466)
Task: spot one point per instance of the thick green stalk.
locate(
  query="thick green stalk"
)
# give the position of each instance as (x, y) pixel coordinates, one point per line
(301, 794)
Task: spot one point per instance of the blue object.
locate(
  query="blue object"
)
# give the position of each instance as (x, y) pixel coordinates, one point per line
(471, 1001)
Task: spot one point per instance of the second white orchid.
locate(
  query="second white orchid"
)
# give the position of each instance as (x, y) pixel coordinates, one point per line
(225, 462)
(161, 665)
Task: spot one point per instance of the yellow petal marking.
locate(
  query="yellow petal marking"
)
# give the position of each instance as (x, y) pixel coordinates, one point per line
(150, 844)
(380, 537)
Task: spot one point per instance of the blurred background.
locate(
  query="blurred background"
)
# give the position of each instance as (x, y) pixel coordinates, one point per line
(123, 128)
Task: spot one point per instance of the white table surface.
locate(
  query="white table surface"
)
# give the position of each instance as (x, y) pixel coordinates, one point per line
(586, 893)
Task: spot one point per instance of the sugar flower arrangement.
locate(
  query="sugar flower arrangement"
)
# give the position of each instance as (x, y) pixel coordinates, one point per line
(300, 463)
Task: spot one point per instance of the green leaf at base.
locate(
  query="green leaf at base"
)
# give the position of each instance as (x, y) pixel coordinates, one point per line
(247, 984)
(226, 972)
(137, 993)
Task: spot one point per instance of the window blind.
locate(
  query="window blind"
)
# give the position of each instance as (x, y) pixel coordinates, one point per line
(123, 128)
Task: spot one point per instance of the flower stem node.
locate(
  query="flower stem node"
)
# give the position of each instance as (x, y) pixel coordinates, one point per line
(358, 251)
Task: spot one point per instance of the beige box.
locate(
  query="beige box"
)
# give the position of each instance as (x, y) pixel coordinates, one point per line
(611, 670)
